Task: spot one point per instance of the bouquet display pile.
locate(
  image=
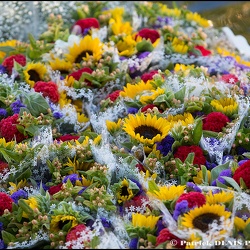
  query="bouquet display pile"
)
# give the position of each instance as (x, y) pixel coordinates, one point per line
(127, 128)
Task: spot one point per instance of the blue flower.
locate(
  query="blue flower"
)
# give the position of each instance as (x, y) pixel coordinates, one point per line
(165, 146)
(3, 70)
(15, 106)
(190, 186)
(72, 177)
(132, 110)
(3, 112)
(18, 195)
(57, 115)
(180, 208)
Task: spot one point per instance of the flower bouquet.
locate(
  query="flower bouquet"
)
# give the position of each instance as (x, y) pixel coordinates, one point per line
(124, 127)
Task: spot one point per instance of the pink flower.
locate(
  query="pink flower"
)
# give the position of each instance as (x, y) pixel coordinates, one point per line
(230, 78)
(48, 89)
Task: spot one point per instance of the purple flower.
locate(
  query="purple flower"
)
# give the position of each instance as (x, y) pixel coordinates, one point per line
(15, 106)
(180, 208)
(72, 177)
(133, 243)
(165, 146)
(210, 165)
(132, 110)
(3, 112)
(57, 115)
(143, 54)
(162, 21)
(2, 69)
(18, 195)
(192, 187)
(106, 223)
(2, 245)
(225, 172)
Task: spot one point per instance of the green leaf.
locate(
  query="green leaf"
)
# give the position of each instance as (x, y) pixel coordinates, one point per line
(232, 182)
(217, 170)
(152, 186)
(246, 231)
(197, 132)
(144, 45)
(204, 174)
(179, 95)
(8, 237)
(36, 103)
(207, 133)
(24, 175)
(25, 207)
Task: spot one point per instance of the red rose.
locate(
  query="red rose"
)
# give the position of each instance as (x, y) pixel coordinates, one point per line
(55, 189)
(9, 131)
(165, 235)
(149, 76)
(151, 34)
(215, 121)
(48, 89)
(68, 137)
(114, 95)
(86, 23)
(149, 106)
(74, 234)
(183, 151)
(230, 78)
(5, 202)
(77, 74)
(194, 199)
(243, 171)
(8, 62)
(203, 51)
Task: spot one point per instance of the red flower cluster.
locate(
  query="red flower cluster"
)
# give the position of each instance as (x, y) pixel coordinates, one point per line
(74, 233)
(8, 62)
(48, 89)
(87, 23)
(243, 171)
(194, 199)
(55, 189)
(183, 151)
(230, 78)
(146, 33)
(215, 121)
(203, 51)
(149, 76)
(5, 203)
(3, 166)
(77, 74)
(165, 235)
(68, 137)
(114, 95)
(9, 131)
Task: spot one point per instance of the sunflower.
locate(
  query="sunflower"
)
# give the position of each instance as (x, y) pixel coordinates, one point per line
(134, 90)
(146, 128)
(34, 72)
(61, 65)
(201, 217)
(226, 105)
(149, 96)
(58, 221)
(124, 193)
(88, 47)
(183, 119)
(168, 193)
(140, 220)
(219, 198)
(240, 224)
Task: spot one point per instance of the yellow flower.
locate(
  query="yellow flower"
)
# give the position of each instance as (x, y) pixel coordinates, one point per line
(184, 68)
(82, 118)
(120, 28)
(58, 221)
(61, 65)
(146, 128)
(113, 127)
(168, 193)
(116, 13)
(87, 47)
(179, 46)
(134, 91)
(124, 193)
(219, 198)
(193, 241)
(180, 119)
(64, 101)
(7, 145)
(240, 224)
(226, 105)
(140, 220)
(199, 178)
(14, 187)
(149, 96)
(126, 46)
(33, 204)
(34, 72)
(11, 43)
(190, 16)
(201, 217)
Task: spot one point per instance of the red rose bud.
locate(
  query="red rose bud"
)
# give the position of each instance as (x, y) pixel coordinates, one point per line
(80, 26)
(146, 33)
(114, 95)
(203, 51)
(8, 62)
(149, 76)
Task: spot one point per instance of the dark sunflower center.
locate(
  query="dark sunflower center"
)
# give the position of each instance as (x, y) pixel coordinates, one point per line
(61, 224)
(124, 191)
(147, 131)
(83, 54)
(202, 222)
(34, 76)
